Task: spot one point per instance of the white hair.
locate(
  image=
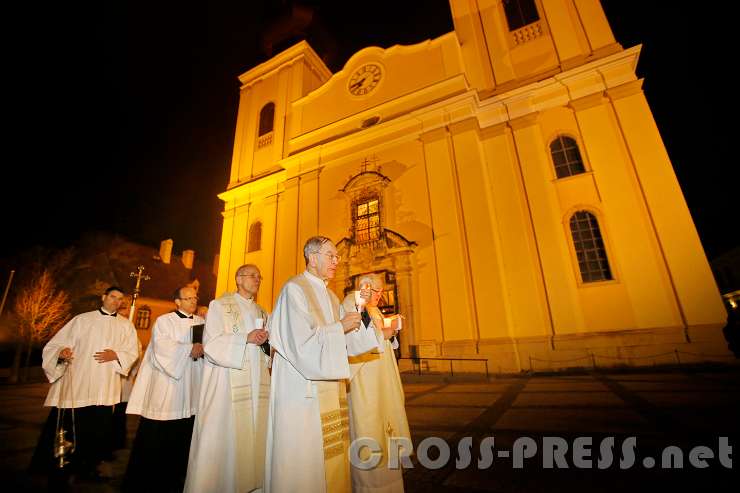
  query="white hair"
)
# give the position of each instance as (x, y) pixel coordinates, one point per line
(313, 245)
(372, 280)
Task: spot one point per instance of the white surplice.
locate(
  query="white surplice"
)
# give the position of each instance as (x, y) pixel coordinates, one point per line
(91, 383)
(377, 409)
(227, 450)
(168, 385)
(307, 426)
(127, 382)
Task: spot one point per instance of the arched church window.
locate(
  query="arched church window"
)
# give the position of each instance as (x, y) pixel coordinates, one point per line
(366, 219)
(519, 13)
(266, 124)
(566, 157)
(267, 119)
(143, 318)
(589, 247)
(255, 237)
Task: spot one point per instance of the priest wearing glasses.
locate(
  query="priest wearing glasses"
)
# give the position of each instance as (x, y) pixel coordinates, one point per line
(307, 435)
(165, 394)
(227, 454)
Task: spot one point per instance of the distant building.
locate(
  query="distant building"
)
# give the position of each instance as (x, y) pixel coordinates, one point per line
(108, 260)
(507, 179)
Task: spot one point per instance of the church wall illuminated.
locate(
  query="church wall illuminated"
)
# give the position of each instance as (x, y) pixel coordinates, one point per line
(506, 179)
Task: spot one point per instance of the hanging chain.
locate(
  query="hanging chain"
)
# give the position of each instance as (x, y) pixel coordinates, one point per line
(62, 447)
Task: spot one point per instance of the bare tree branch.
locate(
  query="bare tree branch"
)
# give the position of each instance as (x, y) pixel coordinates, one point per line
(42, 309)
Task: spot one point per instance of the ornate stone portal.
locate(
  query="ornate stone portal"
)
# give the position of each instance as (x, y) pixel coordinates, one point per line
(372, 249)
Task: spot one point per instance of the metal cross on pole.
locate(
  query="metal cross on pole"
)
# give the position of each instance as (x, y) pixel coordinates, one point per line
(368, 162)
(140, 276)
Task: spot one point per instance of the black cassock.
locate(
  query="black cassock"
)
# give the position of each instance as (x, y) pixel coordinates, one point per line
(159, 456)
(92, 437)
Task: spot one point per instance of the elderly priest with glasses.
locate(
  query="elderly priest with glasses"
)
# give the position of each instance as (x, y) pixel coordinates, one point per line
(308, 436)
(228, 448)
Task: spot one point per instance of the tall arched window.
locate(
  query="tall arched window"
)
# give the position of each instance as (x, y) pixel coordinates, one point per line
(589, 246)
(267, 119)
(566, 157)
(519, 13)
(255, 237)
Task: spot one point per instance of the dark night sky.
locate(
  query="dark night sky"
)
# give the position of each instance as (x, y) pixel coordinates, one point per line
(126, 110)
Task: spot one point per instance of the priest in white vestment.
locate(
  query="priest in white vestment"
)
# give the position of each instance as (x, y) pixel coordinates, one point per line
(166, 396)
(227, 452)
(376, 399)
(307, 436)
(84, 362)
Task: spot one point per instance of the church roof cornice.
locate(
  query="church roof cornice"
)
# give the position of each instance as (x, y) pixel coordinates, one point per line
(374, 54)
(300, 50)
(561, 89)
(258, 186)
(444, 105)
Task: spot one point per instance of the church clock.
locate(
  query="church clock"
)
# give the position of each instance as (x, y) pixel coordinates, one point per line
(365, 79)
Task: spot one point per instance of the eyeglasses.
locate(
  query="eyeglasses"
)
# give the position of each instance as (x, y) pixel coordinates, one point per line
(253, 276)
(331, 256)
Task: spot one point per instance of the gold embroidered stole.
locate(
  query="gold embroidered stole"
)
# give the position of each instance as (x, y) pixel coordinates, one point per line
(333, 407)
(250, 430)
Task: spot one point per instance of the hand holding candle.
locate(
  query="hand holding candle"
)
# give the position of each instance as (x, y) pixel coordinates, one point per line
(362, 296)
(393, 322)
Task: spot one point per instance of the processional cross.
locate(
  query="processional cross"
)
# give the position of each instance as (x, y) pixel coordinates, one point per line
(140, 276)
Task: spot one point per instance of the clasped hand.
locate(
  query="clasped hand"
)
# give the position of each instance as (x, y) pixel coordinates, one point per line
(257, 336)
(351, 321)
(197, 350)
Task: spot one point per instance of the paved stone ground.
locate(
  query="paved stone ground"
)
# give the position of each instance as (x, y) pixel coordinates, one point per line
(659, 408)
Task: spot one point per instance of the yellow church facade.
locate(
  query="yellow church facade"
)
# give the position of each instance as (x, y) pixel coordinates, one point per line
(507, 180)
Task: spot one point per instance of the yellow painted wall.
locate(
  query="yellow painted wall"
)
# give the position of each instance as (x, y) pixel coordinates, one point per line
(560, 284)
(486, 292)
(413, 67)
(524, 288)
(692, 278)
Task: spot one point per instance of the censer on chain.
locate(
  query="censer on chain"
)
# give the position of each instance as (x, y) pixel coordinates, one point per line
(64, 448)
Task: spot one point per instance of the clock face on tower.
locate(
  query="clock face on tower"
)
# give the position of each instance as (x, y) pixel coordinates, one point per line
(365, 79)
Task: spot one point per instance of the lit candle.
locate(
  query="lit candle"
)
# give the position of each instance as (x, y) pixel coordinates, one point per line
(359, 301)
